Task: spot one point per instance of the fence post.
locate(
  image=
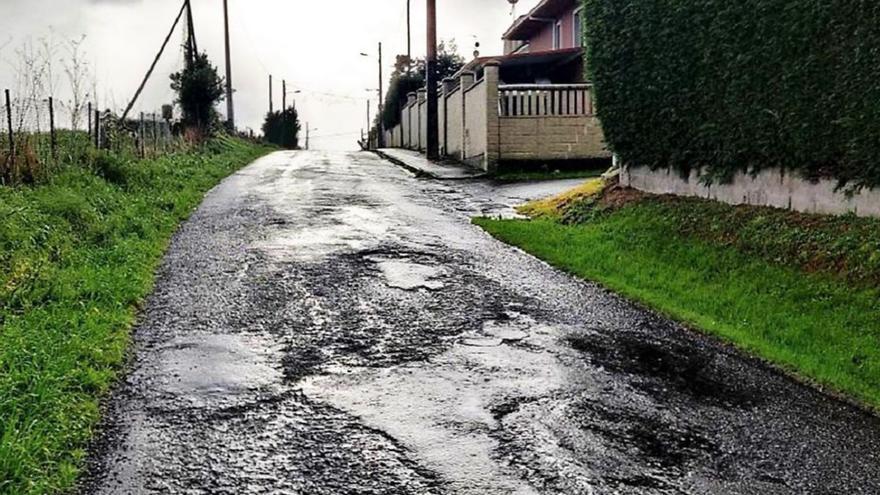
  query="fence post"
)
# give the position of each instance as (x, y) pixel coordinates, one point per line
(155, 133)
(97, 129)
(140, 138)
(9, 123)
(53, 138)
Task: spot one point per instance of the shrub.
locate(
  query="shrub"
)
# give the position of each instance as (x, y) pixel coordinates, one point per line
(282, 128)
(740, 86)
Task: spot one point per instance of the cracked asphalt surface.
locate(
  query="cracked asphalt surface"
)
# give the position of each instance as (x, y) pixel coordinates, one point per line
(326, 323)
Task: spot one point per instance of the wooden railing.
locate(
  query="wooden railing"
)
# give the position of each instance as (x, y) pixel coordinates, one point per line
(542, 100)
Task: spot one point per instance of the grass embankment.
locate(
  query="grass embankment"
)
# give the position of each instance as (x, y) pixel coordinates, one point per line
(77, 255)
(537, 171)
(526, 176)
(798, 290)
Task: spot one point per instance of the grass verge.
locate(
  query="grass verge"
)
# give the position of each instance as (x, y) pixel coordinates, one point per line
(686, 259)
(529, 176)
(78, 255)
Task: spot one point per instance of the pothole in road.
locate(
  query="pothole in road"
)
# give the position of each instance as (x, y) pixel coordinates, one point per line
(665, 443)
(211, 368)
(510, 328)
(408, 272)
(407, 275)
(663, 367)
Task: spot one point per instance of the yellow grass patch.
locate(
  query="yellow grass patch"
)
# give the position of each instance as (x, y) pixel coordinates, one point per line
(554, 206)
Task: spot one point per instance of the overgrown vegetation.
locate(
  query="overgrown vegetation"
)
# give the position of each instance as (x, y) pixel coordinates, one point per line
(282, 128)
(77, 255)
(798, 290)
(744, 85)
(555, 206)
(199, 88)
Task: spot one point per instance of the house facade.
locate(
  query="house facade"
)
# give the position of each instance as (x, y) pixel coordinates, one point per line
(528, 105)
(544, 46)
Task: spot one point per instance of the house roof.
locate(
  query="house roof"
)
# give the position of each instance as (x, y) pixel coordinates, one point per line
(546, 11)
(533, 58)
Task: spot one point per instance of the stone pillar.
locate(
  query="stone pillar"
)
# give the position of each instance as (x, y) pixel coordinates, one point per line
(491, 78)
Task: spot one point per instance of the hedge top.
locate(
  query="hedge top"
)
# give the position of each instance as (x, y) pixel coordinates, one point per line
(740, 86)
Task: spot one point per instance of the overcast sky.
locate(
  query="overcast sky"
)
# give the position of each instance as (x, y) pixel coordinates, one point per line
(313, 44)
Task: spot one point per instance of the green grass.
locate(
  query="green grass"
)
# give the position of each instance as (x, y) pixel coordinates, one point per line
(815, 324)
(77, 256)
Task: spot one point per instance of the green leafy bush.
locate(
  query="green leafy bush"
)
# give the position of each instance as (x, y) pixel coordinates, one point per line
(740, 85)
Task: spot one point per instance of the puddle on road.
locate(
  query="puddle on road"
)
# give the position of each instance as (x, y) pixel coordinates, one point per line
(442, 409)
(407, 275)
(208, 368)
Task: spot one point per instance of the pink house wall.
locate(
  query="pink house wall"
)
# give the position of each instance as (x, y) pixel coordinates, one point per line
(543, 41)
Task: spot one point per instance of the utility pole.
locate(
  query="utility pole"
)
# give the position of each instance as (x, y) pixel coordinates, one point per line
(408, 32)
(369, 120)
(307, 136)
(271, 96)
(283, 95)
(433, 143)
(380, 129)
(230, 108)
(191, 37)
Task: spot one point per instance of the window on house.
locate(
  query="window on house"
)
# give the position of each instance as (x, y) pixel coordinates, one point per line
(578, 28)
(557, 36)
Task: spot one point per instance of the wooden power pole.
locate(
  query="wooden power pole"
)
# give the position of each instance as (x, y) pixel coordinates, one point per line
(230, 107)
(271, 96)
(433, 144)
(283, 95)
(408, 32)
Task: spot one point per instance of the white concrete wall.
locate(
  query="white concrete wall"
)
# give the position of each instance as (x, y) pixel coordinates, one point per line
(475, 122)
(404, 127)
(423, 126)
(453, 124)
(775, 188)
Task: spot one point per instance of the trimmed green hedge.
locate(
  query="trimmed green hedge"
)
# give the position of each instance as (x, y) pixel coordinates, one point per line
(740, 85)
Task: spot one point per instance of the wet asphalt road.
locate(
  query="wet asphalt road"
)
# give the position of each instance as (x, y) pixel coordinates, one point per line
(328, 324)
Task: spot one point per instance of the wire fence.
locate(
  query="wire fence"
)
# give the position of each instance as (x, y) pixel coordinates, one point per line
(39, 134)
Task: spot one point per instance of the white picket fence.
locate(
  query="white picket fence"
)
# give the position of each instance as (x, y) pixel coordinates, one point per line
(541, 100)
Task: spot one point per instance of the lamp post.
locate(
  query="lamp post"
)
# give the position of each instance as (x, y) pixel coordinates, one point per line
(381, 126)
(513, 7)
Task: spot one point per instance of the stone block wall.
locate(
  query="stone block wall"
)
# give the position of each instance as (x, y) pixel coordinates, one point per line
(774, 188)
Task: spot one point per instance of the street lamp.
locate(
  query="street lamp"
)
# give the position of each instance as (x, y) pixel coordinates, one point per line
(381, 127)
(513, 7)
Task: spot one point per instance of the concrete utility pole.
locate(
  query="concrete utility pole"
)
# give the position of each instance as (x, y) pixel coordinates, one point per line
(433, 144)
(271, 96)
(230, 108)
(381, 127)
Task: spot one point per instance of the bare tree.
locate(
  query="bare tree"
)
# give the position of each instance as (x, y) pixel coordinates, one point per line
(79, 77)
(34, 80)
